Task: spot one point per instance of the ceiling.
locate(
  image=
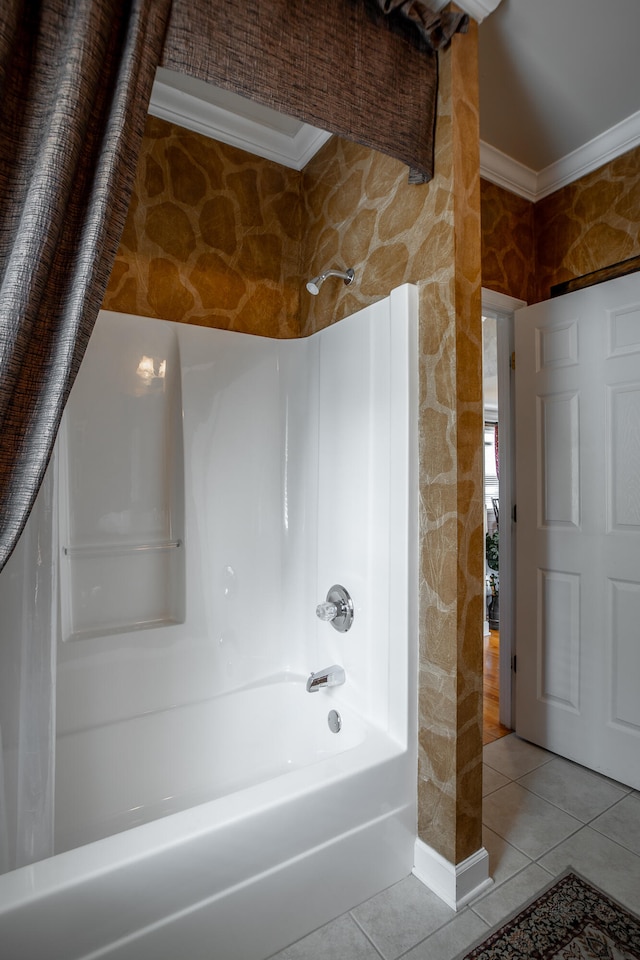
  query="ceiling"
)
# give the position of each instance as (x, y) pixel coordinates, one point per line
(559, 95)
(559, 82)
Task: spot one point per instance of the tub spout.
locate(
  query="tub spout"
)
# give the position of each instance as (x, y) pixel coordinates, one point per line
(329, 677)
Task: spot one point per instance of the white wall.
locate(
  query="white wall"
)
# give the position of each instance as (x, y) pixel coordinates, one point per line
(279, 468)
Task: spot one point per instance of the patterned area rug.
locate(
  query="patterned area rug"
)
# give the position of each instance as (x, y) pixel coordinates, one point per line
(570, 920)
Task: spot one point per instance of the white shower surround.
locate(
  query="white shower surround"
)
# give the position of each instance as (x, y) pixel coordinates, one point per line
(216, 812)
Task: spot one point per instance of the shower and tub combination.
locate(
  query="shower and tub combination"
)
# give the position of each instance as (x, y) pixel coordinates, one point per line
(227, 539)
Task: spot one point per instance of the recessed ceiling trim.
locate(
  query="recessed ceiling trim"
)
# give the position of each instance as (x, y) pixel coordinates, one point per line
(508, 173)
(603, 148)
(195, 114)
(478, 9)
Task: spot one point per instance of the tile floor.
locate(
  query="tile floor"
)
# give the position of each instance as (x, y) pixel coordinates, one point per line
(540, 814)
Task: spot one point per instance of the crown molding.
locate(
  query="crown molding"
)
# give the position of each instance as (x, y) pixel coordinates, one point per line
(607, 146)
(508, 173)
(515, 177)
(478, 9)
(176, 106)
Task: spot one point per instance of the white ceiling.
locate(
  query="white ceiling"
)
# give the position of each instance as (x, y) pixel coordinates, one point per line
(554, 74)
(559, 95)
(559, 86)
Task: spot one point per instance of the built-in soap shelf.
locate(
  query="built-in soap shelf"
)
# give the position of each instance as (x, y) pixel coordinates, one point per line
(114, 588)
(119, 549)
(122, 483)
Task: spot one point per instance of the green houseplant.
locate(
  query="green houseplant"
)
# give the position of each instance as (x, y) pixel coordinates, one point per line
(492, 553)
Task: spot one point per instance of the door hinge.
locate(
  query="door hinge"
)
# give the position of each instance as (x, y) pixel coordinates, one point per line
(514, 663)
(513, 360)
(515, 513)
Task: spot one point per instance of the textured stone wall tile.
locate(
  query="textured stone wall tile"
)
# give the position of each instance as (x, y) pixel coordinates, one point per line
(440, 451)
(361, 212)
(165, 290)
(436, 813)
(590, 224)
(188, 183)
(508, 247)
(154, 178)
(217, 223)
(467, 279)
(169, 228)
(436, 756)
(212, 237)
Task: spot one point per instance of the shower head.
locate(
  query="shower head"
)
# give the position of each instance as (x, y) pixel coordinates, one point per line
(314, 285)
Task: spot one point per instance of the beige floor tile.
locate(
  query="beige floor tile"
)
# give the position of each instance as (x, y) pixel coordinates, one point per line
(492, 780)
(514, 757)
(527, 822)
(510, 896)
(504, 860)
(340, 938)
(622, 823)
(401, 916)
(458, 935)
(576, 790)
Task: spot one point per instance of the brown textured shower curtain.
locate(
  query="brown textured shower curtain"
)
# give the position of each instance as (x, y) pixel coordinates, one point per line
(75, 82)
(366, 70)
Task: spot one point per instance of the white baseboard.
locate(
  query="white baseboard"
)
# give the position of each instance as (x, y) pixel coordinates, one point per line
(456, 884)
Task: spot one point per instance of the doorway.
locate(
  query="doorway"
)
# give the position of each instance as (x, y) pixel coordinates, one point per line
(498, 401)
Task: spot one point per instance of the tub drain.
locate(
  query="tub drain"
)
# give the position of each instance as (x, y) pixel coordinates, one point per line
(335, 721)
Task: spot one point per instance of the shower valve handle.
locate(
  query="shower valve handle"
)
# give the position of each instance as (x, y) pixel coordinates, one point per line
(328, 611)
(337, 609)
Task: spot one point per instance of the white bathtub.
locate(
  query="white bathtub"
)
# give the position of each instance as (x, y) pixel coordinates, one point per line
(235, 878)
(204, 808)
(165, 762)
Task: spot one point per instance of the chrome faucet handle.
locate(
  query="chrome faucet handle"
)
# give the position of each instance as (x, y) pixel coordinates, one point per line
(337, 609)
(327, 611)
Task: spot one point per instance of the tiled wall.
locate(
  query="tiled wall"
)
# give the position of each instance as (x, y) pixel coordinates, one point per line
(221, 238)
(212, 237)
(361, 212)
(592, 223)
(356, 209)
(508, 243)
(459, 387)
(585, 226)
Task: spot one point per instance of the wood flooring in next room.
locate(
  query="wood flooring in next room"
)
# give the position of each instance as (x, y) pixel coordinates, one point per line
(492, 728)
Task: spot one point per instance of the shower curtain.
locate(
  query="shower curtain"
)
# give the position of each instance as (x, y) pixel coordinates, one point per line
(75, 83)
(28, 634)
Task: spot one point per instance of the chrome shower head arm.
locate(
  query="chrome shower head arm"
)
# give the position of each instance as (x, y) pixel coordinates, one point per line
(346, 275)
(313, 286)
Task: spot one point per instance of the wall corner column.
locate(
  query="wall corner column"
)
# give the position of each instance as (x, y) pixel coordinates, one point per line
(451, 493)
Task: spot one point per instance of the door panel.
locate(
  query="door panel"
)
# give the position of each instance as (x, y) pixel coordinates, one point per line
(578, 529)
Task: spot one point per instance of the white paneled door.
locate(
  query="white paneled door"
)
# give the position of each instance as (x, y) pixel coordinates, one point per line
(578, 526)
